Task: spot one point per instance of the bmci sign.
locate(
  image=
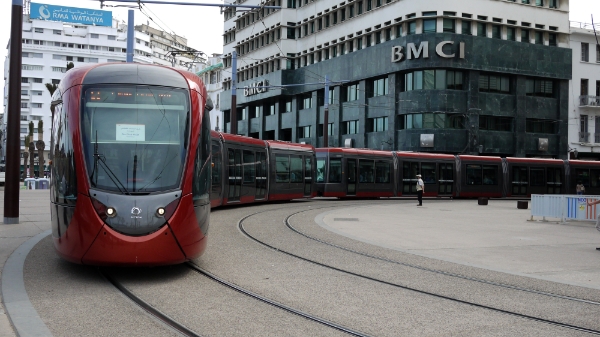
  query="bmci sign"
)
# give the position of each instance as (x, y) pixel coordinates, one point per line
(70, 14)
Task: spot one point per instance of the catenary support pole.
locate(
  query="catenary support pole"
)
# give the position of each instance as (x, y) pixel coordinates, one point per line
(233, 114)
(326, 114)
(13, 127)
(130, 36)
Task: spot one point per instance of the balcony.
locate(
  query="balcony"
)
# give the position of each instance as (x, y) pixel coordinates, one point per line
(584, 137)
(589, 101)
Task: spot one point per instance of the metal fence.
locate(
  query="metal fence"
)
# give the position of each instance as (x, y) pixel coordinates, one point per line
(564, 207)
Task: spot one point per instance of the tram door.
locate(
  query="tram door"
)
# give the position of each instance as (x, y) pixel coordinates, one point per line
(446, 178)
(409, 177)
(235, 174)
(307, 176)
(261, 175)
(216, 192)
(519, 180)
(351, 172)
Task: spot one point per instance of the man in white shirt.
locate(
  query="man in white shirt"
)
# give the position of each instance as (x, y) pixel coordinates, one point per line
(420, 189)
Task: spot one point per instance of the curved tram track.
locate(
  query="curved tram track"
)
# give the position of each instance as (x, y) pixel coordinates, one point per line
(550, 295)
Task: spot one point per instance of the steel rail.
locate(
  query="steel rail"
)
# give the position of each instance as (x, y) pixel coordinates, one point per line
(482, 306)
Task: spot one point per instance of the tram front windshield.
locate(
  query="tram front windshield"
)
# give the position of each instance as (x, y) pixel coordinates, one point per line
(135, 137)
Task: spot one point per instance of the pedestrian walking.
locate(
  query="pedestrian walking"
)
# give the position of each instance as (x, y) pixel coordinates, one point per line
(580, 189)
(420, 189)
(598, 219)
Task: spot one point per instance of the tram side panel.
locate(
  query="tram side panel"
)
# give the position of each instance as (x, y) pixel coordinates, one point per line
(438, 172)
(290, 171)
(480, 176)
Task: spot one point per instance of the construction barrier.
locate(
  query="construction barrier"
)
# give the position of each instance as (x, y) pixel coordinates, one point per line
(564, 207)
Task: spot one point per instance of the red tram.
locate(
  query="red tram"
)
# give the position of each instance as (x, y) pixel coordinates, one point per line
(131, 165)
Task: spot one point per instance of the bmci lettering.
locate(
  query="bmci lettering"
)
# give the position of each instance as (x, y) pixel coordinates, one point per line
(414, 52)
(256, 88)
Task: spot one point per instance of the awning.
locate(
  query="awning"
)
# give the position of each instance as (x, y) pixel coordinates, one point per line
(211, 68)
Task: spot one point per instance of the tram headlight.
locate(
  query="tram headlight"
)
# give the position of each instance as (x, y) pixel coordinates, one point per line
(111, 212)
(160, 212)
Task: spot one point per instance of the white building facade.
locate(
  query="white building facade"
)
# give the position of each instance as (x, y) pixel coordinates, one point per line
(47, 48)
(210, 73)
(584, 99)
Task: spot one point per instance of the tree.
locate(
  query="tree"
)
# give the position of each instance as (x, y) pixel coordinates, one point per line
(31, 147)
(40, 145)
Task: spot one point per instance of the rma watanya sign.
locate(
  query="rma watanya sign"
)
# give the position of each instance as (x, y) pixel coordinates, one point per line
(70, 14)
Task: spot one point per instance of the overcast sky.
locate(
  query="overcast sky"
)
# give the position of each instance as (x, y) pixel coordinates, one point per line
(203, 26)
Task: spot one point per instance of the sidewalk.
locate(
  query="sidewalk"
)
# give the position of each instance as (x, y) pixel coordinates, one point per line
(34, 218)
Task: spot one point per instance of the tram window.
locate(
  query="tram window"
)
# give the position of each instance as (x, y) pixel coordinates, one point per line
(474, 174)
(296, 170)
(594, 178)
(365, 171)
(520, 175)
(335, 170)
(490, 175)
(428, 173)
(320, 170)
(553, 175)
(583, 175)
(282, 169)
(382, 172)
(249, 167)
(536, 175)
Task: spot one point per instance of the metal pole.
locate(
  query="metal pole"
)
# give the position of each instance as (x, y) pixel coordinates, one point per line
(233, 119)
(13, 125)
(326, 114)
(130, 38)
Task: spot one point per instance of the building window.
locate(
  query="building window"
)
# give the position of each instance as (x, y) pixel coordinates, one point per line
(94, 36)
(304, 132)
(466, 27)
(597, 53)
(585, 52)
(111, 37)
(583, 128)
(584, 88)
(431, 121)
(343, 14)
(398, 30)
(379, 124)
(306, 101)
(449, 26)
(539, 3)
(510, 33)
(380, 87)
(36, 105)
(481, 29)
(351, 8)
(360, 7)
(539, 87)
(429, 25)
(39, 30)
(331, 99)
(495, 123)
(553, 3)
(541, 126)
(352, 93)
(359, 43)
(525, 35)
(412, 28)
(494, 83)
(552, 41)
(350, 127)
(496, 31)
(39, 80)
(440, 79)
(539, 38)
(329, 130)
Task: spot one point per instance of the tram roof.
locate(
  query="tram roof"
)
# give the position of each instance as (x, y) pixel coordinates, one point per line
(584, 162)
(350, 150)
(276, 144)
(467, 157)
(535, 160)
(231, 138)
(425, 155)
(135, 73)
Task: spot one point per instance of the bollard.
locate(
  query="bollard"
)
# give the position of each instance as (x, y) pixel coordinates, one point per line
(522, 204)
(483, 201)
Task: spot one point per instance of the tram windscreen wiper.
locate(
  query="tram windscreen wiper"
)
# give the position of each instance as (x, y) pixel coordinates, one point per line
(98, 158)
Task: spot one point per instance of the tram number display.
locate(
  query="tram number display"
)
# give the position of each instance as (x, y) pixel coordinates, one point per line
(131, 132)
